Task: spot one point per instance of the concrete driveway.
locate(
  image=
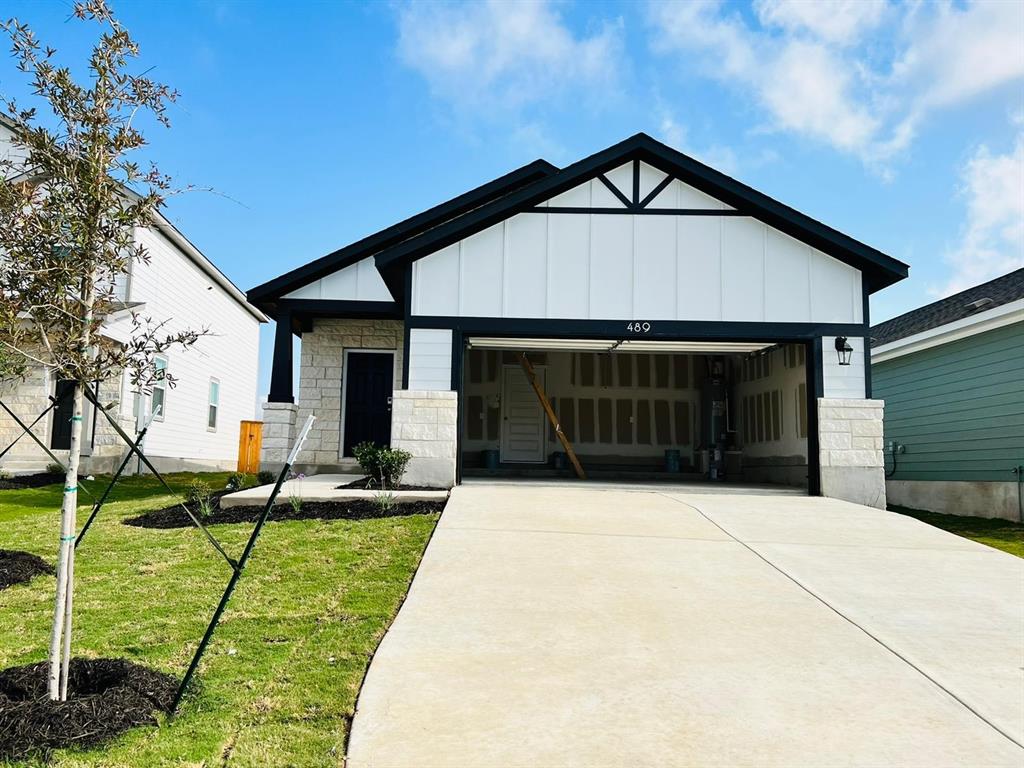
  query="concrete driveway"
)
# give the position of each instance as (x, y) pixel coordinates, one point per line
(552, 625)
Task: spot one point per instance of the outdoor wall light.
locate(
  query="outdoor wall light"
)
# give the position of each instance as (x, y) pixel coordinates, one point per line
(844, 350)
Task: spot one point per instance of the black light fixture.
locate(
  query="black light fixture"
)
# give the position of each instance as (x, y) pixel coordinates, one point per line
(844, 350)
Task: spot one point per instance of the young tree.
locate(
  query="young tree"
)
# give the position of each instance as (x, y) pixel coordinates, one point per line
(71, 201)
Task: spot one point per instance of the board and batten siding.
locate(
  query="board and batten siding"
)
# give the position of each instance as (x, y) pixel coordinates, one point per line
(174, 288)
(958, 408)
(430, 359)
(625, 266)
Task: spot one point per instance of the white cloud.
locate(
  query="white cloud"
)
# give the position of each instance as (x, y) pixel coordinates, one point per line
(504, 56)
(842, 21)
(992, 240)
(814, 72)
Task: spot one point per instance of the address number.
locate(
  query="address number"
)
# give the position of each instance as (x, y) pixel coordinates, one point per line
(637, 327)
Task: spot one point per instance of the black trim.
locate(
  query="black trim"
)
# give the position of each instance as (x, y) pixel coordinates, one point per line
(641, 211)
(636, 184)
(681, 330)
(266, 295)
(458, 356)
(669, 178)
(615, 191)
(407, 302)
(879, 269)
(815, 389)
(867, 344)
(281, 375)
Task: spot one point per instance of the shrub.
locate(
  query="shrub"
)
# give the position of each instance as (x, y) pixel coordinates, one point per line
(198, 493)
(385, 465)
(265, 477)
(239, 480)
(53, 468)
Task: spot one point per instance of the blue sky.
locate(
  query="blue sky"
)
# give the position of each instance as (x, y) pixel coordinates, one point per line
(317, 123)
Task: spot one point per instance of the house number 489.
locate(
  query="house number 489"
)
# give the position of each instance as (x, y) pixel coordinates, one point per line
(638, 327)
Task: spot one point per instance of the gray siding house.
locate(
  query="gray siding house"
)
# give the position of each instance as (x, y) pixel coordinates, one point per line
(665, 309)
(952, 377)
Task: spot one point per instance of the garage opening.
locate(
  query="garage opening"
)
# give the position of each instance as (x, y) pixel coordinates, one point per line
(732, 412)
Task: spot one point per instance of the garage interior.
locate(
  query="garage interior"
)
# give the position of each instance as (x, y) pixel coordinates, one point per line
(731, 412)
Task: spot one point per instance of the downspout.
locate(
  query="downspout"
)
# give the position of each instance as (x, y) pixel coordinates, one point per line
(1019, 472)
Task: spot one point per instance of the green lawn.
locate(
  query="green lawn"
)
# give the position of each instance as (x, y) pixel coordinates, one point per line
(1001, 534)
(279, 682)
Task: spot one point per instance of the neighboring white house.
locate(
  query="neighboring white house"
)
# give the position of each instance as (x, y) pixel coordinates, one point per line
(665, 306)
(216, 379)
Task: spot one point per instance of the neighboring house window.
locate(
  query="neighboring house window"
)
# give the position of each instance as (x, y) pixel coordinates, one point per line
(159, 397)
(211, 419)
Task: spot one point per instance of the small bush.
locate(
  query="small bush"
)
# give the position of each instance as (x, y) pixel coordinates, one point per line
(5, 475)
(265, 477)
(385, 465)
(239, 480)
(198, 493)
(53, 468)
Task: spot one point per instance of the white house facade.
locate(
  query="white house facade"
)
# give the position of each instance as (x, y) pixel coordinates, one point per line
(215, 380)
(674, 318)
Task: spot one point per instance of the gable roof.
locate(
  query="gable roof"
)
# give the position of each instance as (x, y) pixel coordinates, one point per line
(980, 298)
(879, 269)
(266, 295)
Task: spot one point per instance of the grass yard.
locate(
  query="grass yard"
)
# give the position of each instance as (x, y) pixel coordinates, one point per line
(1001, 534)
(279, 682)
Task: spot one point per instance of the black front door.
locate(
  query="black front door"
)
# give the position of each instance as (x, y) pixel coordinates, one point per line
(368, 384)
(60, 432)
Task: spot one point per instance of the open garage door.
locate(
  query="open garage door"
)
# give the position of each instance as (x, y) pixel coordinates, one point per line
(715, 411)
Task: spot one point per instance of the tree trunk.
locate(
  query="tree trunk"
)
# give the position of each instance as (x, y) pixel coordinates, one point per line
(60, 634)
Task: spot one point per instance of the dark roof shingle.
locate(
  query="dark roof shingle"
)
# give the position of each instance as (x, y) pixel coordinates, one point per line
(994, 293)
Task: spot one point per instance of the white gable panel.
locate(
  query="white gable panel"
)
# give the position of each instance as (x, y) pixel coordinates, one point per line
(568, 288)
(699, 267)
(742, 269)
(602, 197)
(356, 282)
(577, 197)
(835, 290)
(526, 273)
(679, 195)
(626, 266)
(787, 272)
(622, 178)
(650, 177)
(654, 290)
(611, 267)
(440, 272)
(481, 260)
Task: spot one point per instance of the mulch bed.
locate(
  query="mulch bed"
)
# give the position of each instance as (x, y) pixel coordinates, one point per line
(106, 697)
(346, 509)
(21, 482)
(17, 567)
(369, 484)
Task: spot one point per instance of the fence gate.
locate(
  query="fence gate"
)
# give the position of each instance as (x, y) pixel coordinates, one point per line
(250, 437)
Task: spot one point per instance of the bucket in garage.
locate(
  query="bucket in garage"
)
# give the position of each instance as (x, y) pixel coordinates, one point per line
(559, 460)
(672, 460)
(491, 459)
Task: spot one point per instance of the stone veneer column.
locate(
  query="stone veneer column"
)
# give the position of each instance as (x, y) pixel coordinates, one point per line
(850, 446)
(278, 434)
(424, 424)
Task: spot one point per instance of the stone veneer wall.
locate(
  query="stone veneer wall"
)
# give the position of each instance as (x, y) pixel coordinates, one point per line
(850, 444)
(425, 424)
(319, 393)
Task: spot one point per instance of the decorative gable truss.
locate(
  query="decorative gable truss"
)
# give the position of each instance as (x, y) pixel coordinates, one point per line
(638, 188)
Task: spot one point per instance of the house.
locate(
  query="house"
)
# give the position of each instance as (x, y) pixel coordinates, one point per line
(197, 427)
(952, 375)
(664, 306)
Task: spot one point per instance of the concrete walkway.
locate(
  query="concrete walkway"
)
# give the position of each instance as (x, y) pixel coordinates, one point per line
(586, 626)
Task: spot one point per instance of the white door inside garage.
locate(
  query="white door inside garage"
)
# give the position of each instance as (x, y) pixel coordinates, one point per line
(522, 418)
